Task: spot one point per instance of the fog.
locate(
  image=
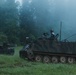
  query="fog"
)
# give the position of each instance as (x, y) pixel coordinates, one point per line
(49, 13)
(22, 18)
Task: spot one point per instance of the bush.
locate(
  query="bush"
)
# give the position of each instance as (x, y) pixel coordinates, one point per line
(3, 37)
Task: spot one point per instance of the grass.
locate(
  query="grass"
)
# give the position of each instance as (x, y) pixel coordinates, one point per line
(14, 65)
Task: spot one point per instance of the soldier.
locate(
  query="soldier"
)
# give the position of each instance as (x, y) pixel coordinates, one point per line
(27, 40)
(52, 34)
(44, 35)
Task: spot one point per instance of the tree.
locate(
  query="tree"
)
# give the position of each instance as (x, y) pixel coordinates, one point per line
(9, 20)
(3, 37)
(27, 23)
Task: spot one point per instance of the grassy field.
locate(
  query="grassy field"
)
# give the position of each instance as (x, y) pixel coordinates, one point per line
(14, 65)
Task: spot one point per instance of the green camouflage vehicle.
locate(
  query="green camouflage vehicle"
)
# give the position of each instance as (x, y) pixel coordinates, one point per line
(49, 50)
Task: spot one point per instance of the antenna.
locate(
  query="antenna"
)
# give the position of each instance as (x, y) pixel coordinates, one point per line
(60, 30)
(70, 36)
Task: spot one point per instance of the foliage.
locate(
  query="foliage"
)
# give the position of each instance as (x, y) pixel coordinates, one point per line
(18, 22)
(27, 23)
(3, 38)
(15, 22)
(9, 18)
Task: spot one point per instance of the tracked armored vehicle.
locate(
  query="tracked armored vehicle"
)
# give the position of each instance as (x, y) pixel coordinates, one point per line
(6, 49)
(50, 50)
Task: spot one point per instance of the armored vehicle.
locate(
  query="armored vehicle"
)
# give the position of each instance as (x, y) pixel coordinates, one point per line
(6, 49)
(50, 50)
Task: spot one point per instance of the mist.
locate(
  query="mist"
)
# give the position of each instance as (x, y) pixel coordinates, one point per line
(22, 18)
(49, 13)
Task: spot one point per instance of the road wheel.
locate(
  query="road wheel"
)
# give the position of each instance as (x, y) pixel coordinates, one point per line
(46, 59)
(38, 58)
(55, 59)
(71, 60)
(63, 59)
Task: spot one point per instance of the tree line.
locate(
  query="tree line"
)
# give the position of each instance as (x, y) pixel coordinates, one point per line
(16, 22)
(31, 19)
